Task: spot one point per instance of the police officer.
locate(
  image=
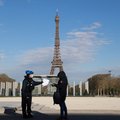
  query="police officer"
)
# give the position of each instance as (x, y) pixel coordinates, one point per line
(27, 87)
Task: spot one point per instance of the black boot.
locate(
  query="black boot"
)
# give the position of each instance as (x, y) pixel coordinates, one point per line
(30, 115)
(25, 116)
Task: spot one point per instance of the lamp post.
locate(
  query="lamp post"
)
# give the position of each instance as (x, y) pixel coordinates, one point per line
(74, 88)
(109, 72)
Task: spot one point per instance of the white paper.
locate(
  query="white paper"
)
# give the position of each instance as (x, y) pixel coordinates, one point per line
(45, 82)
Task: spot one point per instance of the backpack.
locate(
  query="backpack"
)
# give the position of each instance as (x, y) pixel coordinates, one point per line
(56, 97)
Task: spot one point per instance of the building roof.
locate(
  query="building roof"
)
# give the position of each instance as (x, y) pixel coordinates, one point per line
(5, 78)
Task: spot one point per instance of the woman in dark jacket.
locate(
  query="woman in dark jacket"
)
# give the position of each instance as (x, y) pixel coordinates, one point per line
(62, 87)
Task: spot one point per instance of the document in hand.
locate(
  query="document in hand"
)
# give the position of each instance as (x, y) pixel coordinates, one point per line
(45, 82)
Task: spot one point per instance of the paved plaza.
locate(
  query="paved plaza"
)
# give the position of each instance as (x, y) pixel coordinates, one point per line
(79, 108)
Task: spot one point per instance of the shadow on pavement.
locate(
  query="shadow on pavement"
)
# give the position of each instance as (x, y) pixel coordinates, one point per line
(41, 116)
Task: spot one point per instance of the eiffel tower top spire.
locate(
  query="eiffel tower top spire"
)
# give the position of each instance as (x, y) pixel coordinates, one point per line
(57, 41)
(57, 12)
(57, 62)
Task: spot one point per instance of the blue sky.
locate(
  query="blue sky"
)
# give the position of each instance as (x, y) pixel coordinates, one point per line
(89, 36)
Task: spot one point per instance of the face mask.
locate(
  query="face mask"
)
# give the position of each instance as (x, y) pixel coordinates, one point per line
(31, 75)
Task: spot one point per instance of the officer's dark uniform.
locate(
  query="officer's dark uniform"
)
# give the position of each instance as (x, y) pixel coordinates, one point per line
(27, 87)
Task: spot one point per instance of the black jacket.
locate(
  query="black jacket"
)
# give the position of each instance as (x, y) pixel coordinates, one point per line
(28, 86)
(62, 85)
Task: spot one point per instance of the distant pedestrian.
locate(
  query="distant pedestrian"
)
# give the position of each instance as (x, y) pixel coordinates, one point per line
(62, 88)
(27, 88)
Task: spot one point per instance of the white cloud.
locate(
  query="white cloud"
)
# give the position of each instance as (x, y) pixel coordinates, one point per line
(81, 46)
(78, 47)
(2, 56)
(34, 56)
(93, 26)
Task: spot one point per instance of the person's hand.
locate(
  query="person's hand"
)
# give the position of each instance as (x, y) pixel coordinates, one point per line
(53, 84)
(41, 82)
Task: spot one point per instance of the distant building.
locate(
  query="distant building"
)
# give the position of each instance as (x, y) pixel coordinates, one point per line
(8, 86)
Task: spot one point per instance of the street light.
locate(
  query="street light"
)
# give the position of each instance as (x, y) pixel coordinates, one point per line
(109, 72)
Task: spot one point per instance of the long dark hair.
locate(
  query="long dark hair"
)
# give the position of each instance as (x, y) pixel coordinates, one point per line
(62, 76)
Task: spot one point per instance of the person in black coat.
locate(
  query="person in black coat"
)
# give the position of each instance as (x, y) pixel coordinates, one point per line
(62, 87)
(27, 88)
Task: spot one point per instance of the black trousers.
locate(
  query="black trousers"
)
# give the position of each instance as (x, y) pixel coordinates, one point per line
(63, 110)
(26, 105)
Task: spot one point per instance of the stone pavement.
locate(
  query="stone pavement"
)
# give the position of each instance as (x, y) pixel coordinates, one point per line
(43, 108)
(44, 113)
(55, 114)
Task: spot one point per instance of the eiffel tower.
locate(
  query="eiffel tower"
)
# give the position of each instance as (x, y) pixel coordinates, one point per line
(57, 62)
